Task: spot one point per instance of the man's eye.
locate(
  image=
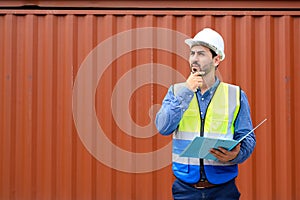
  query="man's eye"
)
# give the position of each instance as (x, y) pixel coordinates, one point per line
(192, 53)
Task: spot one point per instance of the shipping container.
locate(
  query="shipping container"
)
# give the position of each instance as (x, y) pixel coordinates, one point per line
(81, 82)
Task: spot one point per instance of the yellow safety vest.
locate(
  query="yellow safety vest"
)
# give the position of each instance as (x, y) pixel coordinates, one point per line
(218, 123)
(220, 114)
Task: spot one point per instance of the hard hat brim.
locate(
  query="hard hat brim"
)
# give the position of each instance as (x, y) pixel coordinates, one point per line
(190, 42)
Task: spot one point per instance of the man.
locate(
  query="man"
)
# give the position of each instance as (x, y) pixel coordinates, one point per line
(205, 106)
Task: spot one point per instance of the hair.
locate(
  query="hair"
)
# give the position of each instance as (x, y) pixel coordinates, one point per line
(214, 54)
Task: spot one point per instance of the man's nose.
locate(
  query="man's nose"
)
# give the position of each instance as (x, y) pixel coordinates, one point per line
(194, 58)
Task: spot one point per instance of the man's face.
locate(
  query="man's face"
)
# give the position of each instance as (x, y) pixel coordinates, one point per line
(201, 60)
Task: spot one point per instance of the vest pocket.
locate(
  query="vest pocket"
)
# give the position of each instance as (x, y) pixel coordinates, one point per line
(191, 112)
(182, 165)
(219, 126)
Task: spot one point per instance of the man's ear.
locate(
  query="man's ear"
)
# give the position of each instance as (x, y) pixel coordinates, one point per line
(217, 60)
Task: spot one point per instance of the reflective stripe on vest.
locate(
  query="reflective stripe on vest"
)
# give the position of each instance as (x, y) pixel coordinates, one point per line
(219, 120)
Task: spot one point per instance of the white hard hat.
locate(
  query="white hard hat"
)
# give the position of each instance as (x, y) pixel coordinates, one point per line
(209, 38)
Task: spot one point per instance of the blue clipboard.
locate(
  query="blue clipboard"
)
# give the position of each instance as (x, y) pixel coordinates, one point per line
(200, 146)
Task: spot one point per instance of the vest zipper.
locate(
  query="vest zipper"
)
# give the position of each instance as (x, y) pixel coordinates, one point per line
(202, 173)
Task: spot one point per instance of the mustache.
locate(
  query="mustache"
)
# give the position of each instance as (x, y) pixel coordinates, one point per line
(199, 65)
(194, 66)
(196, 63)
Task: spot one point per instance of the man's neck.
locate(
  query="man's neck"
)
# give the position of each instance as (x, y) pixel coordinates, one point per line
(208, 83)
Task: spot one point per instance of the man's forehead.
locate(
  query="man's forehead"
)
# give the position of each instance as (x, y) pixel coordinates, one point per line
(199, 48)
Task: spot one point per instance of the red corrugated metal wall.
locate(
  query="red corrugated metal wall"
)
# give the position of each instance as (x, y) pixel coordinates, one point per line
(43, 153)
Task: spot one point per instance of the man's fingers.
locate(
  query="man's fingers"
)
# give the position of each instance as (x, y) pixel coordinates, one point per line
(224, 155)
(194, 81)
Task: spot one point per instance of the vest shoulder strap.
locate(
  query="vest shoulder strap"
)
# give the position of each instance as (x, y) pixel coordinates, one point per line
(233, 89)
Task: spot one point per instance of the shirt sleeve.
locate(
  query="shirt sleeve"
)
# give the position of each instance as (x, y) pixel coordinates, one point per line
(172, 109)
(243, 125)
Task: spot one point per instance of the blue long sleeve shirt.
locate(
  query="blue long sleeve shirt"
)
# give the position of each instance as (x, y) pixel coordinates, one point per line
(173, 107)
